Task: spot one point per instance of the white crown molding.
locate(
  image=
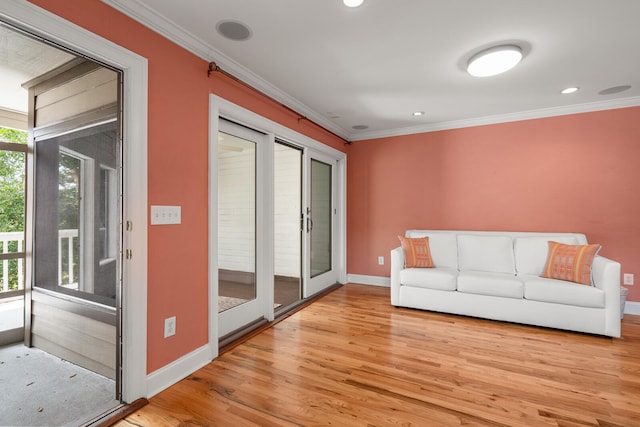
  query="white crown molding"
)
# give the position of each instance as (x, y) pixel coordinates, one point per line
(170, 30)
(501, 118)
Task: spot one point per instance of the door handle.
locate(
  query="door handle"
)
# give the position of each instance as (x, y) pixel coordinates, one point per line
(309, 221)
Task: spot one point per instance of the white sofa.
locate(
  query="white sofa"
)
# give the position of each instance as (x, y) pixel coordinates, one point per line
(496, 275)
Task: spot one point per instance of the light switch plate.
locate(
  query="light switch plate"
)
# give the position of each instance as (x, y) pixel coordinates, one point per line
(164, 215)
(628, 279)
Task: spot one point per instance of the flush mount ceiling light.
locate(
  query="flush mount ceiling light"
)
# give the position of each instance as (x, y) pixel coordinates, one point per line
(495, 60)
(352, 3)
(568, 90)
(418, 114)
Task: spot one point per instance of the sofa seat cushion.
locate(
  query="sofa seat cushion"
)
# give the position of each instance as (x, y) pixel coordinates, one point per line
(492, 284)
(443, 279)
(562, 292)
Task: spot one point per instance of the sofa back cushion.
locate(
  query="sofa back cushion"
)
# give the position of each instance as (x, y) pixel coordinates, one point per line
(486, 253)
(443, 247)
(531, 252)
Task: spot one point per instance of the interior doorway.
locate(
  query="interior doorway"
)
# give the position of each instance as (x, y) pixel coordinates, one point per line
(61, 263)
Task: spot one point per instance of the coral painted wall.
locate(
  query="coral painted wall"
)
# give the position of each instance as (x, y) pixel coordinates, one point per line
(571, 173)
(577, 173)
(179, 91)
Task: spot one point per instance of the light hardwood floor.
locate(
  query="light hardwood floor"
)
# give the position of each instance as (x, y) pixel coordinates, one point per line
(351, 359)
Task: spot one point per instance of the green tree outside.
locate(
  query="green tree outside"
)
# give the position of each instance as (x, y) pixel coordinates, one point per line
(12, 186)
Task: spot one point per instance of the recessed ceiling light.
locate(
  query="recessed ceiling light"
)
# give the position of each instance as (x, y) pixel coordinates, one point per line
(234, 30)
(418, 113)
(360, 127)
(615, 89)
(352, 3)
(568, 90)
(495, 60)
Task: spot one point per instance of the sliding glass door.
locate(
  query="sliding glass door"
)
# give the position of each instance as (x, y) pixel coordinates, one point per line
(302, 238)
(320, 271)
(239, 298)
(276, 220)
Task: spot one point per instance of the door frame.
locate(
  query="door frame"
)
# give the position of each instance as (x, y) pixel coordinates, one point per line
(49, 26)
(221, 108)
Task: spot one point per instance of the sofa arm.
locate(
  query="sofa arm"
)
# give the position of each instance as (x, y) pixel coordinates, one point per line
(606, 276)
(397, 264)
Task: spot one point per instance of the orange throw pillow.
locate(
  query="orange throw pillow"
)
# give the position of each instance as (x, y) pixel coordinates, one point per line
(416, 252)
(570, 262)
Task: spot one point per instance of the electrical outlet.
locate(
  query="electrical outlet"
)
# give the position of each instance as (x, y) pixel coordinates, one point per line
(169, 326)
(380, 260)
(628, 279)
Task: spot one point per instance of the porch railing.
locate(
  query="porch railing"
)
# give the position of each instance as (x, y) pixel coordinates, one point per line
(13, 243)
(7, 241)
(69, 256)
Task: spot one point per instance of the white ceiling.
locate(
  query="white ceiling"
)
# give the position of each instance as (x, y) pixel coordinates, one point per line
(21, 59)
(377, 64)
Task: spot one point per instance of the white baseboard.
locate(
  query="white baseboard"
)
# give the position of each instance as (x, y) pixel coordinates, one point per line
(368, 280)
(632, 307)
(175, 371)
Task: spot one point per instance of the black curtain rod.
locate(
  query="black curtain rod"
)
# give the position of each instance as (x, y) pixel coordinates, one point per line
(213, 67)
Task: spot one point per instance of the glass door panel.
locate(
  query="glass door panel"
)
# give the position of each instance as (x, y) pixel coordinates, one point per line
(320, 214)
(239, 295)
(320, 218)
(236, 221)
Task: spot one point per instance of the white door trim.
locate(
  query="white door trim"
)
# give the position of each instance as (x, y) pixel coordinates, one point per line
(134, 316)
